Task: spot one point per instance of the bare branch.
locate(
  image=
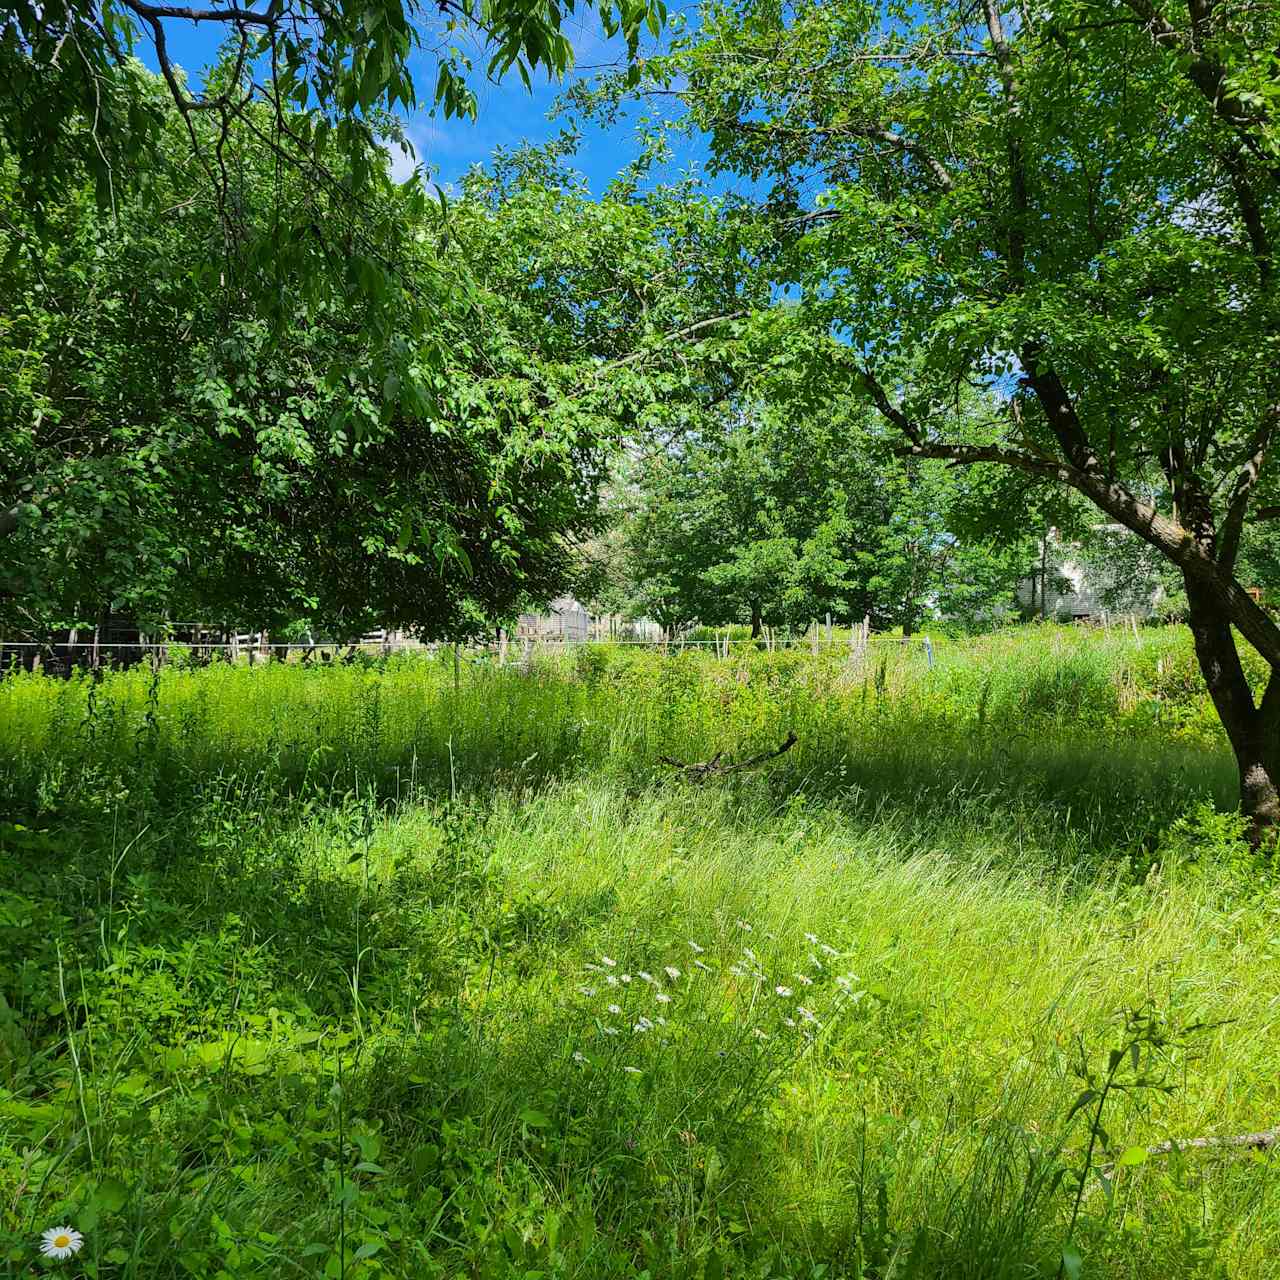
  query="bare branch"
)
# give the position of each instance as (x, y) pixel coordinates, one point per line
(1261, 1141)
(678, 335)
(713, 768)
(152, 13)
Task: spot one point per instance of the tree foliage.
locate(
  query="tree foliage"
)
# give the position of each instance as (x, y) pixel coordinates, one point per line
(418, 447)
(765, 517)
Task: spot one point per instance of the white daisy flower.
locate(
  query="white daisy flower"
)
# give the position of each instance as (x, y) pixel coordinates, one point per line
(605, 960)
(672, 972)
(662, 998)
(626, 978)
(647, 977)
(615, 1008)
(782, 991)
(609, 1031)
(811, 939)
(742, 924)
(643, 1025)
(804, 980)
(828, 951)
(587, 991)
(579, 1057)
(788, 1022)
(697, 950)
(751, 955)
(759, 1035)
(807, 1014)
(611, 980)
(61, 1242)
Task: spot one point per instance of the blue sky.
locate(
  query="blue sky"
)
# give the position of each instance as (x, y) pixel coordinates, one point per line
(508, 113)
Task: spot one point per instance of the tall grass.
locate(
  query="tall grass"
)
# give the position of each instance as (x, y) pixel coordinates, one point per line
(344, 972)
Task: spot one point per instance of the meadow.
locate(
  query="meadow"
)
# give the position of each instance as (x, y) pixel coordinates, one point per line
(381, 969)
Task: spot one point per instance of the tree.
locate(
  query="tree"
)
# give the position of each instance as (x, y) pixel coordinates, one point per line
(430, 466)
(1075, 206)
(767, 515)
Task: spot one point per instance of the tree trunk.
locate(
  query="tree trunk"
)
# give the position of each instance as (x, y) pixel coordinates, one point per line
(1253, 731)
(1044, 576)
(757, 621)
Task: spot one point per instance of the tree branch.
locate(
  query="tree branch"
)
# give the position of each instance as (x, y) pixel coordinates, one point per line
(1262, 1141)
(1209, 76)
(1228, 547)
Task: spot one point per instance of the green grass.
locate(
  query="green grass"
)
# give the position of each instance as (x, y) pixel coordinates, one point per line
(306, 972)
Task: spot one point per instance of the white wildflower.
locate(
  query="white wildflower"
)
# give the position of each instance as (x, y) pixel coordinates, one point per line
(808, 1014)
(706, 968)
(605, 960)
(788, 1022)
(782, 991)
(615, 1008)
(633, 1071)
(751, 955)
(672, 972)
(609, 1031)
(828, 951)
(626, 978)
(61, 1242)
(647, 977)
(804, 980)
(579, 1057)
(643, 1024)
(742, 924)
(759, 1034)
(587, 991)
(811, 939)
(697, 950)
(611, 980)
(662, 998)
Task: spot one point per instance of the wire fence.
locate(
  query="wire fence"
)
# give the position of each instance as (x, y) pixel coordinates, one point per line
(254, 648)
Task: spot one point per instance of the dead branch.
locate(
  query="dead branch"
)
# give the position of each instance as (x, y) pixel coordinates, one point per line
(1262, 1141)
(717, 767)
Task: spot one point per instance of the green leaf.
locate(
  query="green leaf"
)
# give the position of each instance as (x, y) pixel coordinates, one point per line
(110, 1195)
(1133, 1156)
(1072, 1262)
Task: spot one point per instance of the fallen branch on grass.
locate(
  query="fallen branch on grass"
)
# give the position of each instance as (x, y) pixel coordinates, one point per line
(1262, 1141)
(717, 766)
